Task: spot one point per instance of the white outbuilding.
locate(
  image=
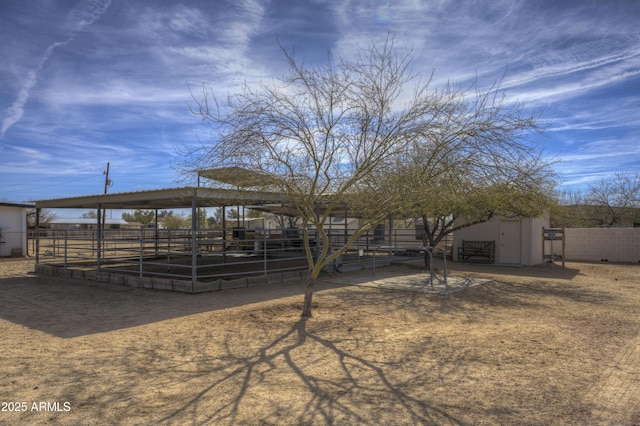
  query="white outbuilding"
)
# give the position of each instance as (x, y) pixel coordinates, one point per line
(514, 241)
(13, 229)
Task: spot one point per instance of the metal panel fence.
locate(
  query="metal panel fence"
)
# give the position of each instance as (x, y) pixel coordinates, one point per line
(208, 255)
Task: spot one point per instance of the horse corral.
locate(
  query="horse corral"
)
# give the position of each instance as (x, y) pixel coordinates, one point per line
(196, 259)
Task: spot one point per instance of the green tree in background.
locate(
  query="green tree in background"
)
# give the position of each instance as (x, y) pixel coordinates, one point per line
(145, 217)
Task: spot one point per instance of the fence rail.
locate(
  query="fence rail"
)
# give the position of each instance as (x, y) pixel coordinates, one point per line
(206, 255)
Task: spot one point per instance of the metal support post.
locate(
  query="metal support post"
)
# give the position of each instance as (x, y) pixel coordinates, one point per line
(194, 249)
(37, 236)
(98, 239)
(66, 245)
(141, 255)
(264, 249)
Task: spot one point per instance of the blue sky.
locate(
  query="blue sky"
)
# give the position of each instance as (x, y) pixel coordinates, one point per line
(83, 83)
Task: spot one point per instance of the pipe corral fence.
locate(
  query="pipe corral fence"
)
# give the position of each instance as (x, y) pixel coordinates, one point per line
(194, 259)
(207, 260)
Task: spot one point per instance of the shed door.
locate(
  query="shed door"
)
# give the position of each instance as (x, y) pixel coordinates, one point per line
(510, 241)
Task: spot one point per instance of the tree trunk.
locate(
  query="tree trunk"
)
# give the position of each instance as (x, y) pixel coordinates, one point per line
(426, 241)
(308, 298)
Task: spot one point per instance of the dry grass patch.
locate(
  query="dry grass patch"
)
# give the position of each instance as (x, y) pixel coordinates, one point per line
(534, 346)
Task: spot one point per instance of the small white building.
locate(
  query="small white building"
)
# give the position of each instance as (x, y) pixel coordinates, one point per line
(516, 241)
(13, 229)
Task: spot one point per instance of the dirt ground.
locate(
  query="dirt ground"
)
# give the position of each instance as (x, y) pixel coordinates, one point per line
(533, 346)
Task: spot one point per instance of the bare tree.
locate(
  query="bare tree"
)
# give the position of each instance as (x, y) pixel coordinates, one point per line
(613, 201)
(322, 135)
(45, 216)
(365, 134)
(616, 198)
(571, 210)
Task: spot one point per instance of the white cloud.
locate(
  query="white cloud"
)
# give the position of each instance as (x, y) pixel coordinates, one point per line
(15, 112)
(188, 20)
(117, 91)
(115, 86)
(85, 13)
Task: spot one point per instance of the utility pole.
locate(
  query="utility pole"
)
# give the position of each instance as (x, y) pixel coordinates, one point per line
(107, 184)
(106, 179)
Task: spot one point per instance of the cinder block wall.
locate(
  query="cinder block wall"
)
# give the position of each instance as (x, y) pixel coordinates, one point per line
(598, 244)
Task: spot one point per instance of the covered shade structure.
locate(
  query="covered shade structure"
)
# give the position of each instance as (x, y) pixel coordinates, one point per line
(237, 177)
(190, 260)
(185, 197)
(139, 251)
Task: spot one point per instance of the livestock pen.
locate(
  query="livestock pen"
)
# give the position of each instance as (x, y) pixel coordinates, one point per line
(196, 259)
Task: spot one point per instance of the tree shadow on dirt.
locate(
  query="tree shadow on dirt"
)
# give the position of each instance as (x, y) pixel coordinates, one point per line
(547, 270)
(533, 298)
(70, 308)
(499, 293)
(357, 390)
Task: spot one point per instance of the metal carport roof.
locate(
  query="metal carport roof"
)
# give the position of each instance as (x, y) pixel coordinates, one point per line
(165, 198)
